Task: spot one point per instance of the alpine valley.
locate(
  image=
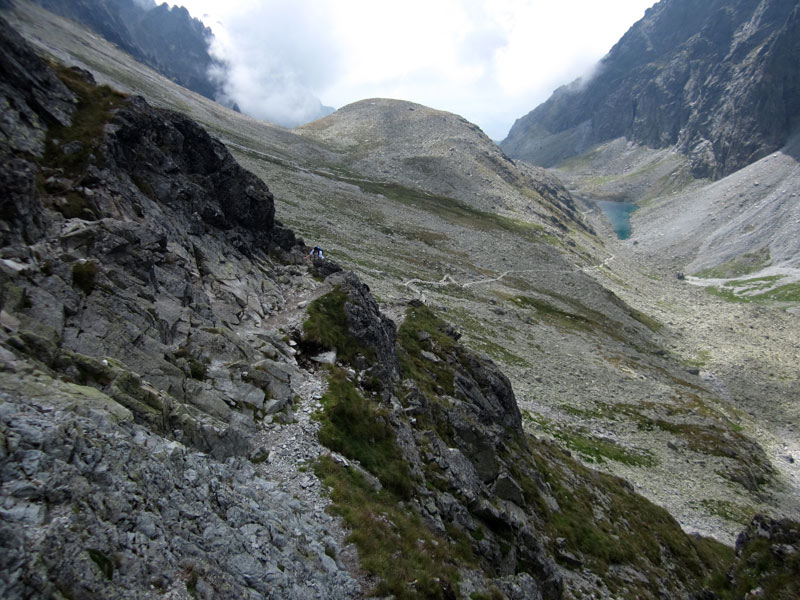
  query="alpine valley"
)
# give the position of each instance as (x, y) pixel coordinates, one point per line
(480, 392)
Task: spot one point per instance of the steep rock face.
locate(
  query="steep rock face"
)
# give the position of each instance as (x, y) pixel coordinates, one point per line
(716, 79)
(369, 327)
(167, 39)
(101, 268)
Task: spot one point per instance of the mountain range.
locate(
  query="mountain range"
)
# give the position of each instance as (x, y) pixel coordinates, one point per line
(479, 393)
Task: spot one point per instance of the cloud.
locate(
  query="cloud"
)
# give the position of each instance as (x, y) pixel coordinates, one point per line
(277, 54)
(490, 61)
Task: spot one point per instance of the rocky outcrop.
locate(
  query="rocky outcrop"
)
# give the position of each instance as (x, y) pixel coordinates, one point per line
(715, 79)
(369, 328)
(536, 523)
(137, 254)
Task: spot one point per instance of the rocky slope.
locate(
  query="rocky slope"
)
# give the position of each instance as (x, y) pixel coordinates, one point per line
(145, 290)
(715, 79)
(588, 372)
(619, 388)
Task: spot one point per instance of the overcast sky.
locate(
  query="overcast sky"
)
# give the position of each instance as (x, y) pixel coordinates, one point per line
(491, 61)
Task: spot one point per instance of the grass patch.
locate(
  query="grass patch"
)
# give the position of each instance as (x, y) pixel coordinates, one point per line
(758, 565)
(731, 292)
(757, 289)
(326, 328)
(103, 562)
(355, 427)
(84, 275)
(785, 293)
(393, 542)
(422, 331)
(755, 283)
(727, 294)
(652, 324)
(95, 105)
(628, 529)
(752, 469)
(741, 265)
(454, 211)
(577, 318)
(700, 360)
(729, 510)
(598, 450)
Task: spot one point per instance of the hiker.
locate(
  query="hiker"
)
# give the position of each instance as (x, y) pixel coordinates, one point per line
(316, 252)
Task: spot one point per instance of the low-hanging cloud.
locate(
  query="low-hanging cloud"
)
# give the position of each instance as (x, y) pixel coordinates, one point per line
(276, 54)
(490, 61)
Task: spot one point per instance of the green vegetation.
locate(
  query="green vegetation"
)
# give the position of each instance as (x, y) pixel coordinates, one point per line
(422, 331)
(84, 274)
(759, 565)
(481, 337)
(727, 294)
(393, 542)
(198, 368)
(784, 293)
(597, 450)
(757, 289)
(95, 104)
(652, 324)
(628, 529)
(578, 317)
(741, 265)
(729, 510)
(326, 327)
(103, 562)
(356, 428)
(453, 211)
(700, 360)
(492, 594)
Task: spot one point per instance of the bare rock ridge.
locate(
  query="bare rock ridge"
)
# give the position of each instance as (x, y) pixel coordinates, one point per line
(718, 80)
(158, 331)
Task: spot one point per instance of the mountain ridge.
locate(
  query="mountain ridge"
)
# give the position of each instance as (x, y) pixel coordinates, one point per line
(712, 79)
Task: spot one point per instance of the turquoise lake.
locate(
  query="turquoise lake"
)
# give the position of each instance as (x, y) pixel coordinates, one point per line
(619, 213)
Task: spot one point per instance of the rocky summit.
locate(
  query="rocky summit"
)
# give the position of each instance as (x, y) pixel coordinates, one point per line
(192, 406)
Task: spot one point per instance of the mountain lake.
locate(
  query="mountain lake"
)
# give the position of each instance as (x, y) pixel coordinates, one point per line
(619, 214)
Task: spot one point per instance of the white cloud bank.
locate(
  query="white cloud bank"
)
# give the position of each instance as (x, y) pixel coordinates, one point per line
(490, 61)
